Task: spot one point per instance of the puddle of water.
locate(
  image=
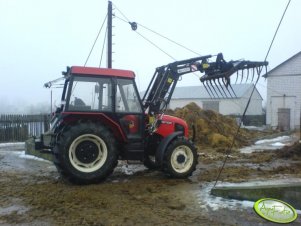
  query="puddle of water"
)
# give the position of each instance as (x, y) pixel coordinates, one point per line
(210, 202)
(263, 182)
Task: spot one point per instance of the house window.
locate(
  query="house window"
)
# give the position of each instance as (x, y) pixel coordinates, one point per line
(211, 105)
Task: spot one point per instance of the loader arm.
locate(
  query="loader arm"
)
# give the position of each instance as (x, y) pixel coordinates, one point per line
(216, 79)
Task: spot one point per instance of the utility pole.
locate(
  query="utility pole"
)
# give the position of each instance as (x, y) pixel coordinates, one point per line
(50, 101)
(109, 59)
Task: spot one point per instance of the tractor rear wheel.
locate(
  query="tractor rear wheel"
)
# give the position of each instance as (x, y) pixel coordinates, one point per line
(180, 158)
(86, 153)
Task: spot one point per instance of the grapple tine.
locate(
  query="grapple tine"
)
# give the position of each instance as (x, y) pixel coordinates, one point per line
(236, 77)
(232, 90)
(242, 76)
(217, 86)
(208, 85)
(207, 89)
(213, 87)
(253, 74)
(221, 70)
(227, 88)
(222, 88)
(247, 75)
(258, 70)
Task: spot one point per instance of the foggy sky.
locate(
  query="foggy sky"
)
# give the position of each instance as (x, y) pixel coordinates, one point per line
(40, 38)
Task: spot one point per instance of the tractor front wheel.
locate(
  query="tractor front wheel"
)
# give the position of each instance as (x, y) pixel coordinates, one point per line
(180, 158)
(86, 153)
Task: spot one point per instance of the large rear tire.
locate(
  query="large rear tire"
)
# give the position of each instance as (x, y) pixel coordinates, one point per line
(86, 153)
(180, 158)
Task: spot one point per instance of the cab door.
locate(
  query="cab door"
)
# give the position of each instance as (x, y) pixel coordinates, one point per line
(128, 109)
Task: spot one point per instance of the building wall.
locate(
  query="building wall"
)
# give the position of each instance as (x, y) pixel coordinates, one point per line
(179, 103)
(234, 106)
(284, 91)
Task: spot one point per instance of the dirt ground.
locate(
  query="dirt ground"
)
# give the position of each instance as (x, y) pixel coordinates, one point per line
(32, 192)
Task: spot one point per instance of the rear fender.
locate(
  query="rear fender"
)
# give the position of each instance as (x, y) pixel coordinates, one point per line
(74, 117)
(164, 144)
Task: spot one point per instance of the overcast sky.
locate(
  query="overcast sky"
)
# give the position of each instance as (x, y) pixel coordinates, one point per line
(40, 38)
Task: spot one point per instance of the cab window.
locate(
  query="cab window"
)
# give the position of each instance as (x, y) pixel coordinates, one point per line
(127, 97)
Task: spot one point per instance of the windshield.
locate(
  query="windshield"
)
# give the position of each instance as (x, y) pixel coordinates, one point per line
(90, 94)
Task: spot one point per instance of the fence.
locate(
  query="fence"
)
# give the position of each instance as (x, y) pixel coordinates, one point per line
(20, 127)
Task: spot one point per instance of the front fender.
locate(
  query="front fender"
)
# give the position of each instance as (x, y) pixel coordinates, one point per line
(163, 145)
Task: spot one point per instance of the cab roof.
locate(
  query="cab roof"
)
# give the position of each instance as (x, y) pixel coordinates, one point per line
(79, 70)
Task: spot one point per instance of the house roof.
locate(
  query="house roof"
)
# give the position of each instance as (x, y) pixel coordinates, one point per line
(199, 92)
(280, 65)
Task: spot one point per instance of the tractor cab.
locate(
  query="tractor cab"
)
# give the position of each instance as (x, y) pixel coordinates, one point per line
(98, 94)
(101, 90)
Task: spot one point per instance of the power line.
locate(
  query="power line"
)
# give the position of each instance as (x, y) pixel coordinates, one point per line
(146, 39)
(155, 45)
(176, 43)
(103, 46)
(126, 20)
(95, 40)
(277, 30)
(247, 106)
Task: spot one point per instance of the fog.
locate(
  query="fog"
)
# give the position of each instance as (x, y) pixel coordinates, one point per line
(40, 38)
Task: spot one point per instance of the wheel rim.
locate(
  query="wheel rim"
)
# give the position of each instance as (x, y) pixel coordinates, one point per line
(88, 153)
(182, 159)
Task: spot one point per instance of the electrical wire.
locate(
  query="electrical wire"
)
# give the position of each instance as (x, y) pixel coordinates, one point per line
(95, 40)
(176, 43)
(155, 45)
(148, 40)
(162, 36)
(248, 103)
(103, 47)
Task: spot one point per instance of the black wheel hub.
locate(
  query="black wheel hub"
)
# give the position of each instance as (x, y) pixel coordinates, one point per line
(180, 159)
(86, 152)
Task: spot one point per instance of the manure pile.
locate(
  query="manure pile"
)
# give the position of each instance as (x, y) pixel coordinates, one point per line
(212, 129)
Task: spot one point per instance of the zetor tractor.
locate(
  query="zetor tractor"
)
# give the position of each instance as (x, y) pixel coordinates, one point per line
(102, 119)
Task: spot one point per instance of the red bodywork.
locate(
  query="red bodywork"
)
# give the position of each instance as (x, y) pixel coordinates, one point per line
(102, 71)
(168, 123)
(73, 117)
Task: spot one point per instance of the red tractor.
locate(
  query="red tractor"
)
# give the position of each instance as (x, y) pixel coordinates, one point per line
(103, 119)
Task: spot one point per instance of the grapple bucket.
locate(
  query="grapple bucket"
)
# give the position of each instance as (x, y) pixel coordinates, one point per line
(217, 75)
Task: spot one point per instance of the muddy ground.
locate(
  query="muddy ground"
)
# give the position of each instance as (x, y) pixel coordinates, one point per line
(32, 192)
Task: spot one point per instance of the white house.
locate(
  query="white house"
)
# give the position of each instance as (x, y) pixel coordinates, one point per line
(225, 106)
(284, 94)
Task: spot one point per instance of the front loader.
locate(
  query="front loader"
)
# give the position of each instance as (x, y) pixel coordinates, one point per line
(102, 119)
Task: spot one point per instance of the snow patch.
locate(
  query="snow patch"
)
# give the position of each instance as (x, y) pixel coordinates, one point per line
(278, 144)
(21, 154)
(277, 139)
(268, 144)
(210, 202)
(132, 168)
(12, 144)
